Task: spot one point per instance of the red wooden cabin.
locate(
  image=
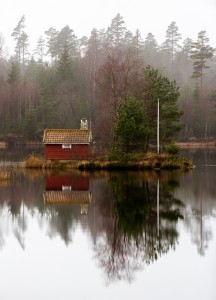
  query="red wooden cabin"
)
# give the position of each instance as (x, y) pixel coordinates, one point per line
(68, 189)
(67, 144)
(73, 182)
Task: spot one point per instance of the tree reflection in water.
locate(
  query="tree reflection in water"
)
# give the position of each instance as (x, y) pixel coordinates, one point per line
(135, 238)
(131, 220)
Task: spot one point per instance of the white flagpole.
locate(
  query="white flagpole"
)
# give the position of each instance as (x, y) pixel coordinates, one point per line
(158, 206)
(158, 120)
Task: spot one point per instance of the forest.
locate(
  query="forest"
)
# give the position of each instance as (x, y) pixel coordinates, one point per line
(65, 79)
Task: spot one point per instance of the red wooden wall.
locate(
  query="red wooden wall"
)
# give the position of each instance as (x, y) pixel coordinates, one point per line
(76, 182)
(77, 152)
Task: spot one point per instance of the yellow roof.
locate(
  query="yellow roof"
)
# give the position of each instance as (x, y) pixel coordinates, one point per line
(67, 136)
(59, 197)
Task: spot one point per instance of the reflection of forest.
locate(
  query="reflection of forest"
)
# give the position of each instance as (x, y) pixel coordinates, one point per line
(199, 188)
(132, 216)
(141, 228)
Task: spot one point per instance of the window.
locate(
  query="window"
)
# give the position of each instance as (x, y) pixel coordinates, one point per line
(66, 188)
(66, 146)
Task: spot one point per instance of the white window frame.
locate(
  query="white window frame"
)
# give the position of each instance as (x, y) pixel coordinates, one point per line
(66, 146)
(66, 188)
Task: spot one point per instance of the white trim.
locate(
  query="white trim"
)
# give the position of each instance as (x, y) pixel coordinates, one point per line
(66, 188)
(66, 146)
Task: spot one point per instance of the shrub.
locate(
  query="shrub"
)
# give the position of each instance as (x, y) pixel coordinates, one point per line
(172, 149)
(34, 162)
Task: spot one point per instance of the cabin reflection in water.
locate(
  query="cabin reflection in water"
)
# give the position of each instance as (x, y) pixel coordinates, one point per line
(68, 189)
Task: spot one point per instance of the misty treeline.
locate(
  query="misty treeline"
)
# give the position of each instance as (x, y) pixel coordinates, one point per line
(66, 78)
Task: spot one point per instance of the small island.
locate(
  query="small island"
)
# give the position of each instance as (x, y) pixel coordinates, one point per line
(146, 161)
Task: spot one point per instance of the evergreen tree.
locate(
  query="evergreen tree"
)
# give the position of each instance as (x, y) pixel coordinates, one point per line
(66, 90)
(137, 43)
(186, 49)
(132, 126)
(116, 31)
(14, 105)
(150, 50)
(128, 39)
(93, 49)
(52, 35)
(24, 48)
(29, 125)
(47, 113)
(197, 120)
(67, 36)
(185, 63)
(160, 87)
(65, 65)
(201, 52)
(171, 44)
(92, 59)
(17, 33)
(14, 73)
(40, 49)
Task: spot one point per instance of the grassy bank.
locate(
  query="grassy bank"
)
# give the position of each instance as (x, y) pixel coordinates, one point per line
(147, 161)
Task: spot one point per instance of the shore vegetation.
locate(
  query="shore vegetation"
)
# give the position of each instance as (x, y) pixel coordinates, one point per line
(142, 161)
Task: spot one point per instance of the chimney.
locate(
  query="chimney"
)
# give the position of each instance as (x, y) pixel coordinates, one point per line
(84, 123)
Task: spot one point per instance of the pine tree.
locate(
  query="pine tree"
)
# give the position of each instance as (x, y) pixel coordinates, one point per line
(171, 44)
(201, 52)
(23, 42)
(52, 35)
(14, 74)
(40, 49)
(65, 65)
(116, 31)
(67, 36)
(160, 87)
(150, 50)
(138, 43)
(132, 126)
(18, 30)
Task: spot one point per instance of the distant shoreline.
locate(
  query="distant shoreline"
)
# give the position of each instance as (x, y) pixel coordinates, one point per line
(187, 144)
(198, 144)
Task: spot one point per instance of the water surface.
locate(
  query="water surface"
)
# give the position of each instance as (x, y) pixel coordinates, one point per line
(101, 235)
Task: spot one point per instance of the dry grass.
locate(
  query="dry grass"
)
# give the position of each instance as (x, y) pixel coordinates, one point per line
(4, 175)
(34, 161)
(152, 162)
(145, 161)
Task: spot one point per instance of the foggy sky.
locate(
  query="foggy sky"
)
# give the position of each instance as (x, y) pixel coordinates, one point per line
(191, 17)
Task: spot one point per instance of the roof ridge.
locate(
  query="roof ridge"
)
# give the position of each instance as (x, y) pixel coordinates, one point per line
(67, 129)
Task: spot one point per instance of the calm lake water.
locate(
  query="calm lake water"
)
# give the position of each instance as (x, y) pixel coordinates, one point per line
(118, 235)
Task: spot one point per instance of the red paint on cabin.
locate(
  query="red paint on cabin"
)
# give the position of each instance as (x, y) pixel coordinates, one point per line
(76, 152)
(55, 182)
(67, 144)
